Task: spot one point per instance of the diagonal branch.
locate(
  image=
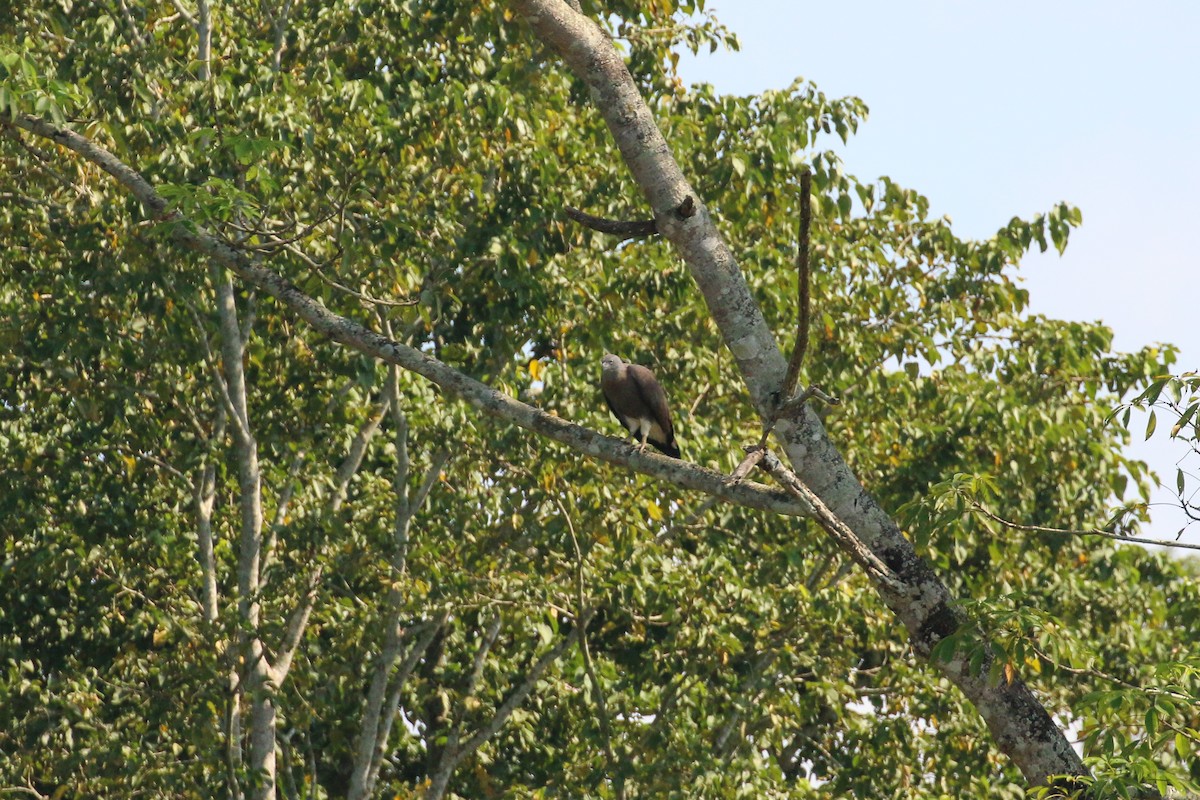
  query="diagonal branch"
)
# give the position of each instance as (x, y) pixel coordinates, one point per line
(298, 621)
(490, 401)
(1020, 725)
(829, 522)
(456, 752)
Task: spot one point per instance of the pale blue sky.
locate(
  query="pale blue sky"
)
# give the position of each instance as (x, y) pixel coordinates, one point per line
(999, 109)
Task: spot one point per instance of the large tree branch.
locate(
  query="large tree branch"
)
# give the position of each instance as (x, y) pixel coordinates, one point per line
(486, 399)
(1019, 723)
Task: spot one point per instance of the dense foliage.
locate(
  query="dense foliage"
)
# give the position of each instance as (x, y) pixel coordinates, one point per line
(408, 162)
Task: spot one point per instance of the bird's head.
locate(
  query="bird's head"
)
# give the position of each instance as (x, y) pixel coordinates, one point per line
(610, 363)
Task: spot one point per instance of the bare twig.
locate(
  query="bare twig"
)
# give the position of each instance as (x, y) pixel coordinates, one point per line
(1084, 532)
(626, 229)
(802, 277)
(845, 538)
(363, 296)
(792, 407)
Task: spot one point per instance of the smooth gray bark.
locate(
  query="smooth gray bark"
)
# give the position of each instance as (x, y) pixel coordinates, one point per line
(1019, 723)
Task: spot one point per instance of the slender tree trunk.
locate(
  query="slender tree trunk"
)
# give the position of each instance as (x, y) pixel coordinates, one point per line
(204, 33)
(378, 711)
(256, 675)
(1020, 725)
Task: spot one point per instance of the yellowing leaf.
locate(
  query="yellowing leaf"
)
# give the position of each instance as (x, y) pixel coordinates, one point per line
(654, 511)
(535, 369)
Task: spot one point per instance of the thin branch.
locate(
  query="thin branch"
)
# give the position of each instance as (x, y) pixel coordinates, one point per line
(259, 673)
(626, 229)
(841, 533)
(363, 296)
(136, 35)
(43, 163)
(748, 463)
(454, 755)
(234, 390)
(392, 705)
(1084, 532)
(523, 690)
(286, 494)
(803, 278)
(183, 12)
(589, 667)
(436, 465)
(149, 458)
(355, 454)
(280, 25)
(282, 504)
(380, 706)
(298, 620)
(203, 23)
(129, 590)
(275, 240)
(210, 361)
(490, 634)
(722, 744)
(792, 407)
(205, 492)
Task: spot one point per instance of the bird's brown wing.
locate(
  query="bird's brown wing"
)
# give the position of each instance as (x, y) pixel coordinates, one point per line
(612, 408)
(652, 394)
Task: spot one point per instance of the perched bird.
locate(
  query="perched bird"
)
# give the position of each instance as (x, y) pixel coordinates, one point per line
(638, 401)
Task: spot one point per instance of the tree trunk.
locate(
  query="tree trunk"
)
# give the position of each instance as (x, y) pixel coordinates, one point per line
(1020, 725)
